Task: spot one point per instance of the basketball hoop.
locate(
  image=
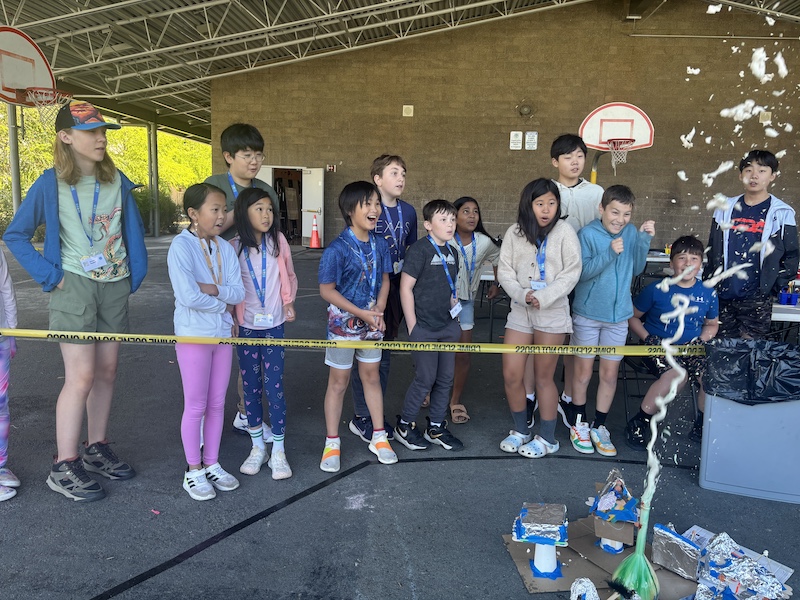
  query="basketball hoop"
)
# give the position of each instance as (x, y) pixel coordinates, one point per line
(48, 101)
(619, 150)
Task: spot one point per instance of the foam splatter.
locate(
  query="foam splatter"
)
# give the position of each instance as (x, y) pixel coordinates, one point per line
(686, 140)
(682, 176)
(741, 112)
(780, 154)
(770, 132)
(720, 202)
(708, 178)
(713, 9)
(781, 64)
(758, 65)
(708, 139)
(692, 71)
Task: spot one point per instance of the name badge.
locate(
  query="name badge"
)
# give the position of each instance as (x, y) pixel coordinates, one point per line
(538, 285)
(263, 320)
(90, 263)
(397, 267)
(456, 309)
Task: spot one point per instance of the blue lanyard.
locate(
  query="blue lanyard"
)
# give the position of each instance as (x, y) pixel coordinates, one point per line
(540, 258)
(260, 291)
(444, 266)
(90, 235)
(398, 241)
(471, 267)
(234, 189)
(372, 274)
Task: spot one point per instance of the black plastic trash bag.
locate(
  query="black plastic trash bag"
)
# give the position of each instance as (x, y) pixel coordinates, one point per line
(752, 371)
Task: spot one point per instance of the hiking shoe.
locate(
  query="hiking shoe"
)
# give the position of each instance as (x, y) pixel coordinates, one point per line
(68, 477)
(362, 427)
(252, 464)
(602, 441)
(280, 466)
(330, 456)
(538, 447)
(695, 434)
(565, 409)
(410, 436)
(441, 435)
(7, 492)
(637, 434)
(579, 436)
(100, 458)
(197, 485)
(7, 478)
(220, 478)
(380, 447)
(531, 407)
(514, 440)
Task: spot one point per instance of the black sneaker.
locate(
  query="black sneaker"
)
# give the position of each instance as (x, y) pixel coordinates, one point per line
(410, 436)
(68, 477)
(440, 435)
(362, 427)
(531, 408)
(100, 458)
(696, 433)
(567, 412)
(637, 434)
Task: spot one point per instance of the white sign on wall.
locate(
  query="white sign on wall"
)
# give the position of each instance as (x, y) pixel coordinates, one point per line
(515, 141)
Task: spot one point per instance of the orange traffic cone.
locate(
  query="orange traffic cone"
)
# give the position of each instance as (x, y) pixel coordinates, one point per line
(315, 234)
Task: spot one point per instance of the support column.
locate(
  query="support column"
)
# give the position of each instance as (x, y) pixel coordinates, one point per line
(13, 147)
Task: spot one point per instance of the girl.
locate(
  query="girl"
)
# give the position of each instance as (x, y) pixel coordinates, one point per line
(94, 258)
(207, 283)
(8, 348)
(270, 287)
(475, 246)
(540, 263)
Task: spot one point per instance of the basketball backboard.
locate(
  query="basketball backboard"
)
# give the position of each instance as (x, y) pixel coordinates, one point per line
(617, 120)
(22, 65)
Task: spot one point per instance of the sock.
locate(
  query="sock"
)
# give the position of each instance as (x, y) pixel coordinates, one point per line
(547, 429)
(257, 437)
(404, 422)
(599, 419)
(643, 416)
(329, 440)
(531, 397)
(566, 399)
(520, 421)
(376, 432)
(577, 411)
(435, 424)
(277, 444)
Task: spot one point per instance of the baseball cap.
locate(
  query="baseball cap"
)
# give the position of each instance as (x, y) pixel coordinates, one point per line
(82, 116)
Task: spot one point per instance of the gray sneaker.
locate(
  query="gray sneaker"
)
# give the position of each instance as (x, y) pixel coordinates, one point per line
(69, 478)
(100, 458)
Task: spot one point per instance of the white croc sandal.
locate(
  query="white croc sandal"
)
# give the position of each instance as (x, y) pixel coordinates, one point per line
(537, 448)
(514, 441)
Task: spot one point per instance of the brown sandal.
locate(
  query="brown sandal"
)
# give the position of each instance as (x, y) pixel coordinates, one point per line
(458, 413)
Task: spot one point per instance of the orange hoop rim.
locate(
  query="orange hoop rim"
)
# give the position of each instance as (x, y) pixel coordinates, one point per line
(620, 144)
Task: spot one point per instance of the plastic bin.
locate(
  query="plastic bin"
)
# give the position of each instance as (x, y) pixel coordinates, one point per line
(750, 444)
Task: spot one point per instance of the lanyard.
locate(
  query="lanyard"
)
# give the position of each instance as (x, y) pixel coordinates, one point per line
(398, 240)
(540, 258)
(444, 266)
(372, 274)
(90, 235)
(260, 291)
(207, 255)
(234, 189)
(471, 267)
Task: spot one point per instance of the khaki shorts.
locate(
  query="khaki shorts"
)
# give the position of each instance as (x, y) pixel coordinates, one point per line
(90, 306)
(525, 319)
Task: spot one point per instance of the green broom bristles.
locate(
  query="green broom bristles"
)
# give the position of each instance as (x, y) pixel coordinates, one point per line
(636, 574)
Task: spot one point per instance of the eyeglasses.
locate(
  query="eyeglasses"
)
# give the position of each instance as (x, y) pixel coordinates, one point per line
(249, 158)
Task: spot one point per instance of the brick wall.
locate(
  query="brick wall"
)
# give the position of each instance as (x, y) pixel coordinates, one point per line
(465, 85)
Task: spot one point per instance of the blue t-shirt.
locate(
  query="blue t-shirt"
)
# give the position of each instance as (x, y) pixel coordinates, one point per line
(341, 264)
(748, 227)
(654, 303)
(405, 233)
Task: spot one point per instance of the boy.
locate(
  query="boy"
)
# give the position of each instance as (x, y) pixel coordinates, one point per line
(686, 258)
(430, 304)
(354, 280)
(613, 252)
(242, 148)
(763, 233)
(579, 202)
(397, 224)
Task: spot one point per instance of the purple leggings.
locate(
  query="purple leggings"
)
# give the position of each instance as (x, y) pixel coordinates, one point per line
(205, 373)
(5, 421)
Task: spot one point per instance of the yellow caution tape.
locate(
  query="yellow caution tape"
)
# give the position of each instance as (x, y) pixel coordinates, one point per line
(143, 338)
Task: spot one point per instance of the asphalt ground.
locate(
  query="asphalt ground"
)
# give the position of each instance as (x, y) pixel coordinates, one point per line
(427, 527)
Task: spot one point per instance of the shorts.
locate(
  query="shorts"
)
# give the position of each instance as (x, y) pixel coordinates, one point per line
(695, 365)
(524, 319)
(89, 305)
(342, 358)
(588, 332)
(466, 318)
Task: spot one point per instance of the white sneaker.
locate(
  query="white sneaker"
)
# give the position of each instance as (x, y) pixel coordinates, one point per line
(514, 440)
(220, 478)
(280, 466)
(197, 485)
(266, 433)
(330, 462)
(7, 478)
(379, 446)
(240, 424)
(252, 464)
(602, 441)
(7, 492)
(579, 436)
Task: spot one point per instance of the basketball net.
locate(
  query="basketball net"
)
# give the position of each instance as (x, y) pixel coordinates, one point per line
(48, 101)
(619, 151)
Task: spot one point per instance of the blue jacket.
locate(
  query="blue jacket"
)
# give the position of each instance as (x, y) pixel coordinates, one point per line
(604, 290)
(41, 206)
